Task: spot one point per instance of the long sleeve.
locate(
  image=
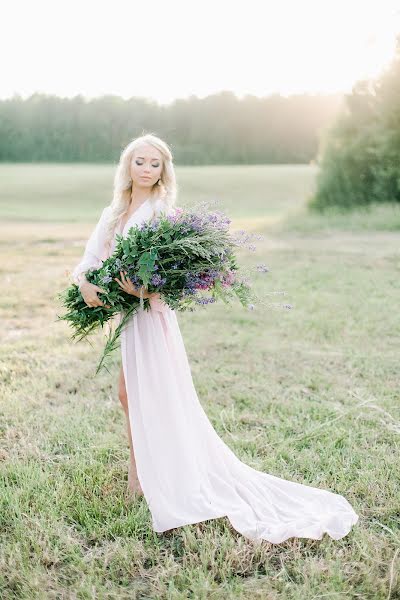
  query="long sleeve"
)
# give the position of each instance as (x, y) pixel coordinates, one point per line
(93, 255)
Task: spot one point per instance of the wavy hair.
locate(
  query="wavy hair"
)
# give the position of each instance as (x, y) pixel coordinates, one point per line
(162, 195)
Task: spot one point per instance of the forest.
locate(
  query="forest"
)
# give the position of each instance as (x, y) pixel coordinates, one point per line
(218, 129)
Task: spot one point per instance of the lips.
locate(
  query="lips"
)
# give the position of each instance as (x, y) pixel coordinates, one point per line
(144, 177)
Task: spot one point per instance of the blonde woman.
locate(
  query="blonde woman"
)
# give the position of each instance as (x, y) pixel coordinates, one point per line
(185, 471)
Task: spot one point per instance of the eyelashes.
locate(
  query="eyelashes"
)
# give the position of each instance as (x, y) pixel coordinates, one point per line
(140, 164)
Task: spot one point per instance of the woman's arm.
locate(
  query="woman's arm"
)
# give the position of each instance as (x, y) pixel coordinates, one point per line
(94, 249)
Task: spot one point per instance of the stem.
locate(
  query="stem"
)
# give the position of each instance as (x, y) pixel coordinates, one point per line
(112, 339)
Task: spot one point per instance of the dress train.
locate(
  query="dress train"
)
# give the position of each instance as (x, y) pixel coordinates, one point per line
(186, 471)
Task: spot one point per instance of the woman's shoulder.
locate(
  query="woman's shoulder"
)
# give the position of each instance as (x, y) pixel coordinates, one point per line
(105, 214)
(106, 211)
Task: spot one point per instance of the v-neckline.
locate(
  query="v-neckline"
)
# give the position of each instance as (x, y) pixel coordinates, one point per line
(134, 213)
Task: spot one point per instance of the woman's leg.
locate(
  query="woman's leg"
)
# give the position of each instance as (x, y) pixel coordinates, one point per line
(133, 481)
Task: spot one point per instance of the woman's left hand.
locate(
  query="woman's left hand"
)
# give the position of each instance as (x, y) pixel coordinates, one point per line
(128, 287)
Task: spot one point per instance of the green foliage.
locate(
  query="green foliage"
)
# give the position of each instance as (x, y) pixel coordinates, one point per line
(175, 249)
(219, 129)
(360, 159)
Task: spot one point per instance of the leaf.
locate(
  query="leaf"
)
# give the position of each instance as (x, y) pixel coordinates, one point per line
(146, 265)
(126, 246)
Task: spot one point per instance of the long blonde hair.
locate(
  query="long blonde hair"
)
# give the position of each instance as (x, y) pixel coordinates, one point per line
(162, 195)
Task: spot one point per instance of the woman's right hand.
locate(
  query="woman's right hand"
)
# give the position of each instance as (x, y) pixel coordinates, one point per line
(89, 294)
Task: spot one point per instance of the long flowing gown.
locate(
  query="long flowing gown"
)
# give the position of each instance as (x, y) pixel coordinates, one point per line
(186, 471)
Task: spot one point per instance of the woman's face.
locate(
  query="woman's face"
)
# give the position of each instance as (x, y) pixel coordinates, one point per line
(146, 166)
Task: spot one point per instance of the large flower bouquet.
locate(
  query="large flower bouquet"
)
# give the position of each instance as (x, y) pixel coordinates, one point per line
(187, 257)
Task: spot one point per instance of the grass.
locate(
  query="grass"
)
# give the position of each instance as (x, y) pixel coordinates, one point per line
(369, 218)
(309, 394)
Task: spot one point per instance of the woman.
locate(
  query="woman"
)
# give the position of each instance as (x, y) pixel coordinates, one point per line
(185, 471)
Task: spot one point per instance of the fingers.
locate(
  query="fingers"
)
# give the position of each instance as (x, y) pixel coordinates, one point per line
(94, 303)
(127, 282)
(124, 284)
(128, 286)
(121, 285)
(91, 305)
(122, 275)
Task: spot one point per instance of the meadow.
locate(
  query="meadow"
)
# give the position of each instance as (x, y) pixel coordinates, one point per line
(309, 394)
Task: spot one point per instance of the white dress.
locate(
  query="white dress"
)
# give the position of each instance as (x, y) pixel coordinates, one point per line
(186, 471)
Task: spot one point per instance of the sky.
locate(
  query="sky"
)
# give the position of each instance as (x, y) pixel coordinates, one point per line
(167, 49)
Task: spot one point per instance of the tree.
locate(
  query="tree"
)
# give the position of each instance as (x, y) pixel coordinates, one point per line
(360, 152)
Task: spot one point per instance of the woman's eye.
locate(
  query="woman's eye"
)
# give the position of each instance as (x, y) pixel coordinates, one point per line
(140, 164)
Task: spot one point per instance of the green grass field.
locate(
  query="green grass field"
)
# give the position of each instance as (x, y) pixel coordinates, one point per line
(310, 395)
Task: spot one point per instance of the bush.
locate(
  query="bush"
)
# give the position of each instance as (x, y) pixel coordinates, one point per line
(361, 156)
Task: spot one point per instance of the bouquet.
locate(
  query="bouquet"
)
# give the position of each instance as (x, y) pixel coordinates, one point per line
(187, 257)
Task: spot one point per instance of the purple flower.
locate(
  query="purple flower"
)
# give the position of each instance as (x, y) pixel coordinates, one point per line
(228, 278)
(135, 280)
(204, 300)
(263, 268)
(157, 280)
(203, 280)
(241, 237)
(106, 279)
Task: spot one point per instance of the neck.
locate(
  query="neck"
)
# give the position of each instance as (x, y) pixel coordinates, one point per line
(138, 196)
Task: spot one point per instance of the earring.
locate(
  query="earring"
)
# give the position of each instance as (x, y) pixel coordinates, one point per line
(159, 181)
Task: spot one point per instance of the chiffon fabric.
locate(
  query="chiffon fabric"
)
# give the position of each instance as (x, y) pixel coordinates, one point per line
(186, 471)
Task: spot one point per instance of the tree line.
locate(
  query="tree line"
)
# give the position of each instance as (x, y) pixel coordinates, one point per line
(217, 129)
